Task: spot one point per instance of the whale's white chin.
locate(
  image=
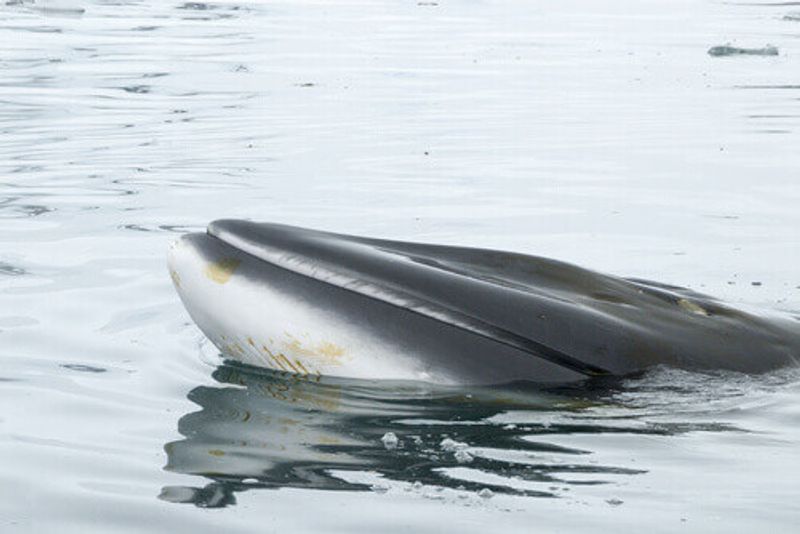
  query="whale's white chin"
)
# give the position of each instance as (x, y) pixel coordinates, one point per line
(239, 303)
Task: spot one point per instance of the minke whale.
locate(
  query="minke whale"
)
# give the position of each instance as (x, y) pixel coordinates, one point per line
(316, 303)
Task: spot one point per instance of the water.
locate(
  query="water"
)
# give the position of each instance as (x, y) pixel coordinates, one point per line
(604, 135)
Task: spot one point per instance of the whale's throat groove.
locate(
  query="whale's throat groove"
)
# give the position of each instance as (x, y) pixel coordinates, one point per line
(323, 272)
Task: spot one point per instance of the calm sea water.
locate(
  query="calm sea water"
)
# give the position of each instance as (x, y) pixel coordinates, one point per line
(601, 133)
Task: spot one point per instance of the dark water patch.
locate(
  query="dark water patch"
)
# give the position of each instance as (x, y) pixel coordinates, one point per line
(134, 227)
(730, 50)
(724, 217)
(759, 4)
(11, 210)
(11, 270)
(171, 228)
(766, 86)
(82, 368)
(21, 169)
(136, 89)
(772, 116)
(197, 6)
(33, 29)
(30, 81)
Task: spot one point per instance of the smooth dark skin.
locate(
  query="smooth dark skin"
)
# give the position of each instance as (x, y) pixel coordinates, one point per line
(586, 322)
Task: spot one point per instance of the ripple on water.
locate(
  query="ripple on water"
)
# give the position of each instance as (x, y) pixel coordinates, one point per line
(603, 135)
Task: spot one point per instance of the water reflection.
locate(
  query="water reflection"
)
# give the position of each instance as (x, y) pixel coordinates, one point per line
(259, 430)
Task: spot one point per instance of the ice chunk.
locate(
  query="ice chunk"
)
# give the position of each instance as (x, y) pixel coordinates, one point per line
(463, 457)
(390, 441)
(450, 445)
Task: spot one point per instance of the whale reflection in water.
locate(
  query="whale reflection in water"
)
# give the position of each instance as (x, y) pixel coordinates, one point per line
(265, 430)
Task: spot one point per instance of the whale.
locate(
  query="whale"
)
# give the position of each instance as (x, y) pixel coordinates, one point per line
(314, 303)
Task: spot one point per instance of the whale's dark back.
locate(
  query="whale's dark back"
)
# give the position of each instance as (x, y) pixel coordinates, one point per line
(590, 322)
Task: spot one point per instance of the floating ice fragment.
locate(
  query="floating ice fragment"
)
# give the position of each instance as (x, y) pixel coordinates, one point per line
(390, 441)
(485, 493)
(450, 445)
(379, 488)
(463, 457)
(614, 502)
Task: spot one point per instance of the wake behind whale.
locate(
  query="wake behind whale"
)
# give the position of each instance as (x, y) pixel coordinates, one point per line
(317, 303)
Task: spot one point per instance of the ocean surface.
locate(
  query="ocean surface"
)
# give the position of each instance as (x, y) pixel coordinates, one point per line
(656, 139)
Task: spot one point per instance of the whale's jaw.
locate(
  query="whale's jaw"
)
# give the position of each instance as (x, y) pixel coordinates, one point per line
(267, 316)
(314, 303)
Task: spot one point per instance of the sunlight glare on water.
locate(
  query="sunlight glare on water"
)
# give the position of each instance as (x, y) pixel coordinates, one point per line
(608, 134)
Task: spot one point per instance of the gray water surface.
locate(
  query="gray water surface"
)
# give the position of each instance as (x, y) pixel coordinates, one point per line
(601, 133)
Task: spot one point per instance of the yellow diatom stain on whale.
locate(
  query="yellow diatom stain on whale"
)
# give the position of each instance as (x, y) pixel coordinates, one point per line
(176, 278)
(289, 365)
(691, 307)
(324, 352)
(301, 366)
(221, 271)
(326, 348)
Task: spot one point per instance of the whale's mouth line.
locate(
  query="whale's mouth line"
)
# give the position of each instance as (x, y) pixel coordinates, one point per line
(407, 302)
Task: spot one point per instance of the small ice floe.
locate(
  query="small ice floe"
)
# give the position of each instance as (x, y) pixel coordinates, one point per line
(485, 493)
(458, 449)
(614, 501)
(451, 445)
(379, 488)
(390, 441)
(793, 16)
(730, 50)
(463, 457)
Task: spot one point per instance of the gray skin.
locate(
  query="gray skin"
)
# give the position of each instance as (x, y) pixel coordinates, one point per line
(485, 316)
